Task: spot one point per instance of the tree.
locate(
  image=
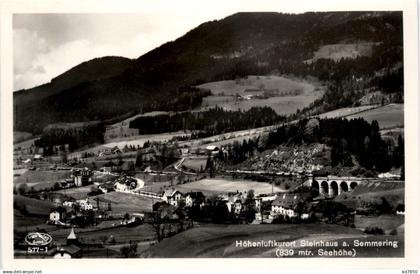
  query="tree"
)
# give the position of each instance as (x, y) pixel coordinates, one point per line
(22, 189)
(249, 206)
(210, 166)
(64, 157)
(129, 251)
(159, 220)
(56, 186)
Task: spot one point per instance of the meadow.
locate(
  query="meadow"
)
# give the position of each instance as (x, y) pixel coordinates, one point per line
(127, 203)
(342, 112)
(195, 164)
(215, 186)
(388, 116)
(337, 52)
(42, 176)
(287, 95)
(220, 240)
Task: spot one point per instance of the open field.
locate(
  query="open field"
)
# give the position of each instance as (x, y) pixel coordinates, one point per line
(24, 223)
(209, 186)
(281, 105)
(342, 112)
(135, 141)
(339, 51)
(127, 203)
(388, 116)
(32, 176)
(20, 136)
(354, 200)
(156, 186)
(394, 132)
(286, 95)
(122, 235)
(220, 240)
(141, 139)
(33, 206)
(196, 164)
(77, 193)
(254, 83)
(385, 222)
(24, 144)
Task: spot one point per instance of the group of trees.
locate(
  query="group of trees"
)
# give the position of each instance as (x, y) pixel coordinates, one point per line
(213, 121)
(216, 211)
(349, 140)
(75, 137)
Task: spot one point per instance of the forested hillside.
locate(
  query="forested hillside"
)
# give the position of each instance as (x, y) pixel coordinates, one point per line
(236, 46)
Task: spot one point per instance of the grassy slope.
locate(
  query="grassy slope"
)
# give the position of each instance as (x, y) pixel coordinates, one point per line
(219, 240)
(281, 104)
(42, 176)
(339, 51)
(391, 115)
(221, 185)
(123, 202)
(392, 196)
(341, 112)
(33, 206)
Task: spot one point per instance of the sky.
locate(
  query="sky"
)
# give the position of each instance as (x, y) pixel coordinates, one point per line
(46, 45)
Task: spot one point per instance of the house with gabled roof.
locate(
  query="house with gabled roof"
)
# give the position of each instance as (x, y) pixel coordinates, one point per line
(289, 204)
(57, 214)
(172, 196)
(194, 198)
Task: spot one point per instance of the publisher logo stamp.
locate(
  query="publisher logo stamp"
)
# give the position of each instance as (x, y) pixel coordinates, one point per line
(38, 239)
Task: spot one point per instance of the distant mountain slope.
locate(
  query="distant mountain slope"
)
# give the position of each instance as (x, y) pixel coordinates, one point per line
(238, 45)
(92, 70)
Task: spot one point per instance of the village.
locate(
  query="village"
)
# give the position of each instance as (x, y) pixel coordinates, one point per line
(111, 190)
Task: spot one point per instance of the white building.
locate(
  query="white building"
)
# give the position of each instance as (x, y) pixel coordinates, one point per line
(288, 205)
(194, 198)
(85, 204)
(57, 214)
(172, 197)
(68, 203)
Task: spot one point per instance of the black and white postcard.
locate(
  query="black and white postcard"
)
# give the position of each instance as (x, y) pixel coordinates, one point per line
(209, 131)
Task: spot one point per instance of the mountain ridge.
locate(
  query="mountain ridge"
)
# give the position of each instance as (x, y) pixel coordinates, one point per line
(235, 46)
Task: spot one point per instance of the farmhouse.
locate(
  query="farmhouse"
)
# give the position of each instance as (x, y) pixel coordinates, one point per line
(194, 198)
(82, 177)
(70, 202)
(258, 202)
(172, 197)
(237, 207)
(212, 149)
(85, 204)
(119, 186)
(106, 187)
(57, 214)
(233, 202)
(38, 157)
(400, 210)
(290, 205)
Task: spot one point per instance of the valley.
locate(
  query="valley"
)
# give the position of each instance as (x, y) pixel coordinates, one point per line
(252, 133)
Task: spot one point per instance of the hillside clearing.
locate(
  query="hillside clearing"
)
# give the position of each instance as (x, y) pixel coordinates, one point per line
(337, 52)
(342, 112)
(283, 94)
(127, 203)
(388, 116)
(77, 193)
(33, 206)
(42, 176)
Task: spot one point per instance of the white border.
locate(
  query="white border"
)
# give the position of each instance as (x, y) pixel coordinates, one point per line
(224, 8)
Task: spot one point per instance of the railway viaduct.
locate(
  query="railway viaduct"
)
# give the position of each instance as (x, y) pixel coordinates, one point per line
(332, 186)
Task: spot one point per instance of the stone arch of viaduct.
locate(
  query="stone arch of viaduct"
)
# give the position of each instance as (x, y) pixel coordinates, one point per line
(333, 186)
